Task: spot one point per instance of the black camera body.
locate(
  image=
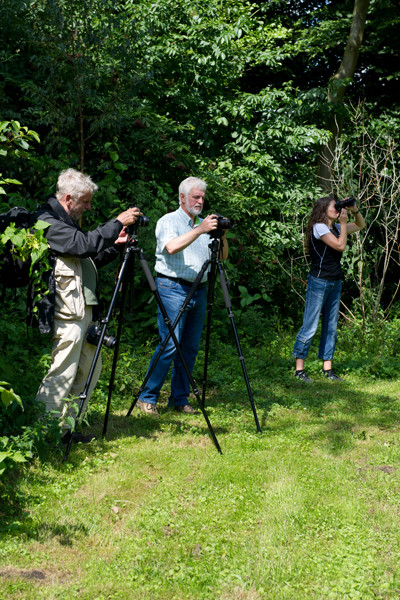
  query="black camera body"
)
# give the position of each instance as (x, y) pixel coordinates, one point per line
(93, 337)
(223, 224)
(141, 221)
(339, 204)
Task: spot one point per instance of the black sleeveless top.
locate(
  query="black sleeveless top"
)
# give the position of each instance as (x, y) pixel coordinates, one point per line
(325, 261)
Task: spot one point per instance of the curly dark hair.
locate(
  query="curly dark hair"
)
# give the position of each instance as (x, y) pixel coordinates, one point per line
(317, 215)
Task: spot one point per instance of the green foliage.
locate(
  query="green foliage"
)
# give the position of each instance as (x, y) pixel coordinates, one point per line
(25, 432)
(11, 455)
(26, 244)
(15, 142)
(163, 94)
(8, 395)
(143, 94)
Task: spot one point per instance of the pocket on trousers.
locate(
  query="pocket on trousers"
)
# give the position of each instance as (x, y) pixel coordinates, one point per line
(302, 339)
(68, 302)
(166, 284)
(317, 288)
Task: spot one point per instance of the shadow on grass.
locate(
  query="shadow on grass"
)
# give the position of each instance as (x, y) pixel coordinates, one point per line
(65, 534)
(146, 427)
(339, 413)
(334, 407)
(336, 416)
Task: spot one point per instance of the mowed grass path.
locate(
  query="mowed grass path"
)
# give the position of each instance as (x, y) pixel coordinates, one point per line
(308, 509)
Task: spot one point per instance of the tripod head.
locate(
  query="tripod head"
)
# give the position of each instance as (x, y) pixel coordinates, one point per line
(216, 245)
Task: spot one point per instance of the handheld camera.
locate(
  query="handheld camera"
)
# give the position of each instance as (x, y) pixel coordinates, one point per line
(339, 204)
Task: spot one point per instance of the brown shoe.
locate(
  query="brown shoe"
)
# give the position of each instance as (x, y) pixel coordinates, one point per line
(148, 408)
(187, 408)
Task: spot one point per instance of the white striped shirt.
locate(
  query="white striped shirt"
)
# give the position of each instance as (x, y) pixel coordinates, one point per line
(187, 263)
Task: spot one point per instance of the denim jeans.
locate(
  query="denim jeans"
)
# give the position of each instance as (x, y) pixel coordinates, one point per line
(323, 297)
(188, 332)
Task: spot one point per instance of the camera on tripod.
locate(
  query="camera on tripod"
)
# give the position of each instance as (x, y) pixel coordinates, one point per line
(93, 337)
(223, 223)
(141, 221)
(339, 204)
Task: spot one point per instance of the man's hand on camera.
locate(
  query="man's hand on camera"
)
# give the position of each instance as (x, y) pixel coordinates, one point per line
(209, 224)
(128, 217)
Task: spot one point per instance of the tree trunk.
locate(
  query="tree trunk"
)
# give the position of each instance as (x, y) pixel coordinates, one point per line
(337, 88)
(78, 89)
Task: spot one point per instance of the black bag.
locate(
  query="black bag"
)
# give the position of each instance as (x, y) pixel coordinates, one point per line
(15, 272)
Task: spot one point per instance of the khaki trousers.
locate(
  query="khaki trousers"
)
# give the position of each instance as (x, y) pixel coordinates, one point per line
(71, 359)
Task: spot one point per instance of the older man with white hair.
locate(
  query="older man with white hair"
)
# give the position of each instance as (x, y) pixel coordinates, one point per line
(68, 309)
(182, 249)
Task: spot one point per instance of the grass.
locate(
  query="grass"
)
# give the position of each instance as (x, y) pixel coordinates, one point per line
(308, 509)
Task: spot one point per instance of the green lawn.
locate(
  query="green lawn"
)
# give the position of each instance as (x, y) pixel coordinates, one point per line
(308, 509)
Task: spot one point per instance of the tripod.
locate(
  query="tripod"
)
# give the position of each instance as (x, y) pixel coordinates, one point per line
(131, 249)
(216, 247)
(168, 336)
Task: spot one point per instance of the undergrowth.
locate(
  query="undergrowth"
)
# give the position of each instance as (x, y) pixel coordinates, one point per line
(265, 341)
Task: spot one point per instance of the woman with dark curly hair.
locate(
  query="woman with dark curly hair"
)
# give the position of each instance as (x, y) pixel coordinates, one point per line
(325, 241)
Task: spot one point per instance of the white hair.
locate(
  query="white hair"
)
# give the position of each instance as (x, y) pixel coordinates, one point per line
(188, 184)
(75, 183)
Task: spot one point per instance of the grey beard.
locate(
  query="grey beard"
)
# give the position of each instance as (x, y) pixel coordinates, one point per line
(194, 211)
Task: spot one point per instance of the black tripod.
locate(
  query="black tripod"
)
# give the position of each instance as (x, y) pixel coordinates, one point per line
(216, 247)
(216, 250)
(131, 248)
(168, 337)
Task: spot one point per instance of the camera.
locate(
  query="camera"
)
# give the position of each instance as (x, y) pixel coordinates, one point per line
(223, 223)
(141, 221)
(93, 337)
(339, 204)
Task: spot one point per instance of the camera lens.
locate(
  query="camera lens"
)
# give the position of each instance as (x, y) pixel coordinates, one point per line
(225, 223)
(143, 221)
(109, 341)
(93, 337)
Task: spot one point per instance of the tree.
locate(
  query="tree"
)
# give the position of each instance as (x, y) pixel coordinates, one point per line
(141, 94)
(336, 91)
(366, 164)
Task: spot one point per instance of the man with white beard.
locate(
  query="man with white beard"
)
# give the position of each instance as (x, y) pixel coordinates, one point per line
(182, 249)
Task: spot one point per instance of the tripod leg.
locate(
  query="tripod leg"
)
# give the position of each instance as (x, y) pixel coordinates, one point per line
(116, 348)
(83, 395)
(168, 337)
(241, 357)
(82, 398)
(167, 321)
(210, 304)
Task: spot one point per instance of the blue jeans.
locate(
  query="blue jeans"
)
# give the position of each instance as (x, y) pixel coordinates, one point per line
(188, 332)
(322, 297)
